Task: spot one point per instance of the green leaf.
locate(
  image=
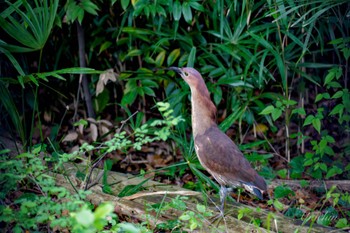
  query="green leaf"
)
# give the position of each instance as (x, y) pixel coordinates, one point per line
(103, 210)
(304, 183)
(177, 10)
(129, 98)
(197, 6)
(227, 123)
(187, 12)
(308, 162)
(330, 76)
(299, 111)
(105, 46)
(309, 119)
(323, 167)
(191, 57)
(283, 191)
(89, 6)
(337, 95)
(149, 91)
(338, 109)
(318, 97)
(201, 208)
(125, 4)
(173, 56)
(134, 52)
(316, 123)
(85, 217)
(269, 109)
(185, 217)
(276, 113)
(217, 95)
(282, 173)
(333, 172)
(160, 59)
(278, 205)
(132, 189)
(342, 223)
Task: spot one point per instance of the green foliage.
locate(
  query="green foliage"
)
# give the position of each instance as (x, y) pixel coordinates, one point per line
(86, 220)
(76, 11)
(30, 27)
(156, 130)
(30, 210)
(281, 64)
(195, 219)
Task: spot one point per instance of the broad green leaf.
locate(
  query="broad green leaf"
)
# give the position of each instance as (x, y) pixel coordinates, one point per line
(227, 123)
(125, 4)
(323, 167)
(160, 59)
(329, 139)
(191, 57)
(308, 162)
(337, 95)
(278, 205)
(185, 217)
(85, 217)
(318, 97)
(330, 76)
(309, 120)
(196, 5)
(105, 46)
(132, 189)
(217, 95)
(76, 70)
(300, 111)
(268, 110)
(276, 113)
(338, 109)
(316, 123)
(129, 98)
(134, 52)
(341, 223)
(282, 173)
(148, 91)
(177, 10)
(283, 191)
(201, 208)
(103, 210)
(187, 12)
(89, 6)
(173, 56)
(149, 83)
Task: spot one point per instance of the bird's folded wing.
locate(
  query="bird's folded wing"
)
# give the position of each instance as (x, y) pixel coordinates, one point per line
(222, 158)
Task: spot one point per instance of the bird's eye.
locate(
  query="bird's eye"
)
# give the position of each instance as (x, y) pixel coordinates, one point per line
(186, 73)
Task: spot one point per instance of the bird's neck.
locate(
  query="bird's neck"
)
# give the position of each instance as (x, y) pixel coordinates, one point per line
(203, 112)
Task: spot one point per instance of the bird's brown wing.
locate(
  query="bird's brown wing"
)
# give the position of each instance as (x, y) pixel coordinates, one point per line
(222, 158)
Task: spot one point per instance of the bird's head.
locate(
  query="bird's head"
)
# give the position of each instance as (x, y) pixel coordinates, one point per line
(191, 76)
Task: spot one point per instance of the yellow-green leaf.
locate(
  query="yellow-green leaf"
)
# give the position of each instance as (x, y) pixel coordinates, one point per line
(173, 56)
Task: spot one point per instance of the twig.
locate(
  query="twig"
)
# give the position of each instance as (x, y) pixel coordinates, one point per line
(145, 194)
(124, 121)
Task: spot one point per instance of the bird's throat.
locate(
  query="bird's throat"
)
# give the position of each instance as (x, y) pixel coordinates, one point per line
(203, 113)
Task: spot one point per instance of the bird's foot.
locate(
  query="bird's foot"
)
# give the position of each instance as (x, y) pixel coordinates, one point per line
(216, 219)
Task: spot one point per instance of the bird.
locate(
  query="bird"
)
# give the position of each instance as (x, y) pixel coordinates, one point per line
(216, 152)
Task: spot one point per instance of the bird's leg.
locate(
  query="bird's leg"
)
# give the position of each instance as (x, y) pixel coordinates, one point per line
(223, 193)
(220, 216)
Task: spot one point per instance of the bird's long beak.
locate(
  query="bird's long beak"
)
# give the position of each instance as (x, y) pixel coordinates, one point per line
(176, 69)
